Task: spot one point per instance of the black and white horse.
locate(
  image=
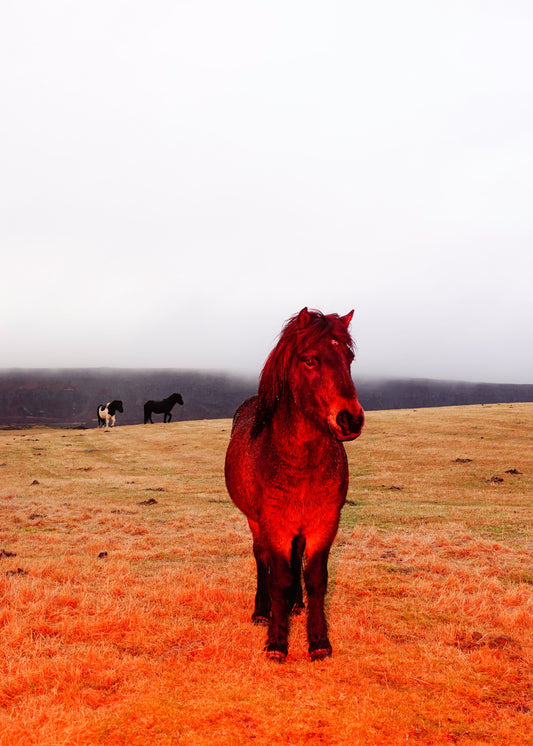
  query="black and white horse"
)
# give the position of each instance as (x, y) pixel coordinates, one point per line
(106, 413)
(161, 406)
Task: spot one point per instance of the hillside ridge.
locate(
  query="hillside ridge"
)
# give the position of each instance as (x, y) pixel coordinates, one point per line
(69, 397)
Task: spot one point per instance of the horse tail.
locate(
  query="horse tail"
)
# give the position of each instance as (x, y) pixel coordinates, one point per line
(147, 412)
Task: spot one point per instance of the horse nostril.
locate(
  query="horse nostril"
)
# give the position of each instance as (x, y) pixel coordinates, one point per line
(348, 423)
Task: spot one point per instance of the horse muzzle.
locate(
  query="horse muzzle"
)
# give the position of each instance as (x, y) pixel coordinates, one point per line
(347, 425)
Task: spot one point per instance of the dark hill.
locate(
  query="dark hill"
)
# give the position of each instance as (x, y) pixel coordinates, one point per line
(421, 392)
(68, 398)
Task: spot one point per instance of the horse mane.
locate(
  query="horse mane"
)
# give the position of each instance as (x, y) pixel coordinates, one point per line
(114, 405)
(300, 333)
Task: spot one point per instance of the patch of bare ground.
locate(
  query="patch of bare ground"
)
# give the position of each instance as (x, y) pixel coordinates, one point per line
(127, 582)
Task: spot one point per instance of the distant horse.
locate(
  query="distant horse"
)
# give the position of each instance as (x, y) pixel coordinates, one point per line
(106, 413)
(286, 470)
(158, 407)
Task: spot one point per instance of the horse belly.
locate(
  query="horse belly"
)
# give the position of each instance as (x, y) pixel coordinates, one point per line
(240, 478)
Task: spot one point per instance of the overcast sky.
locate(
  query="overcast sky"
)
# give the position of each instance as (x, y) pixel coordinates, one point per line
(178, 177)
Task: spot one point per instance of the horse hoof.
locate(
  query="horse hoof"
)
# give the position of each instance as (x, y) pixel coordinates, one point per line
(260, 621)
(277, 656)
(320, 654)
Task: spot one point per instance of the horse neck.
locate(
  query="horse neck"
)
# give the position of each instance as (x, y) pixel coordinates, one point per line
(294, 433)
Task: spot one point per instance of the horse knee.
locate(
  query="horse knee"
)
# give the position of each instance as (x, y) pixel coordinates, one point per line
(316, 574)
(260, 553)
(281, 577)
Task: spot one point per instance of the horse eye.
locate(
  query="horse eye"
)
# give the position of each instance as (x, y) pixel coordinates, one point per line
(310, 362)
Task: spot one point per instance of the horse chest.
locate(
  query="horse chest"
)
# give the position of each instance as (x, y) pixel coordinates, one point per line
(299, 489)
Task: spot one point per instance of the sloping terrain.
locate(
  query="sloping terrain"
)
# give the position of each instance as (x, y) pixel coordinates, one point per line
(127, 583)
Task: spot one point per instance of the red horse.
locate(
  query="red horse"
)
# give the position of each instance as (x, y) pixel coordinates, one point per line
(287, 471)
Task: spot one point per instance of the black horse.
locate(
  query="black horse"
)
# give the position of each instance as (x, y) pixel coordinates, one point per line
(160, 407)
(106, 413)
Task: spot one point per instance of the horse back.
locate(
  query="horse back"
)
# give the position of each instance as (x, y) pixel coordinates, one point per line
(244, 416)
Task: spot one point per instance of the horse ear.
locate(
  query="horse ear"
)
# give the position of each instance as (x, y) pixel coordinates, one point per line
(303, 318)
(347, 319)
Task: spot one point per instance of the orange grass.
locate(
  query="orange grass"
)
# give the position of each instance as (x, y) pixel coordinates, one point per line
(430, 602)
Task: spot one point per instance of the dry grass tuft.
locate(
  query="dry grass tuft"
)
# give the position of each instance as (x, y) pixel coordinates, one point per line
(127, 581)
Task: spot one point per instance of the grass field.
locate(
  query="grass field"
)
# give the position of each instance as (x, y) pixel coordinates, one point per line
(127, 583)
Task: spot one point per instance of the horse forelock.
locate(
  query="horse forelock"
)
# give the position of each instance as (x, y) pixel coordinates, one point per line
(320, 326)
(293, 341)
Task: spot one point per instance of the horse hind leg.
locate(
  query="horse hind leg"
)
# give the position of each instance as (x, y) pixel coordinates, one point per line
(261, 613)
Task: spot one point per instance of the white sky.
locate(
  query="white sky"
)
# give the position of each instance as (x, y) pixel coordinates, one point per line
(179, 177)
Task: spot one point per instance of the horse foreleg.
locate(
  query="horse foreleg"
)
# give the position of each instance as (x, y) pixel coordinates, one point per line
(280, 585)
(316, 582)
(296, 601)
(167, 417)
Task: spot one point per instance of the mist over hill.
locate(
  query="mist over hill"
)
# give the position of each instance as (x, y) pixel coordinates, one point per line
(69, 397)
